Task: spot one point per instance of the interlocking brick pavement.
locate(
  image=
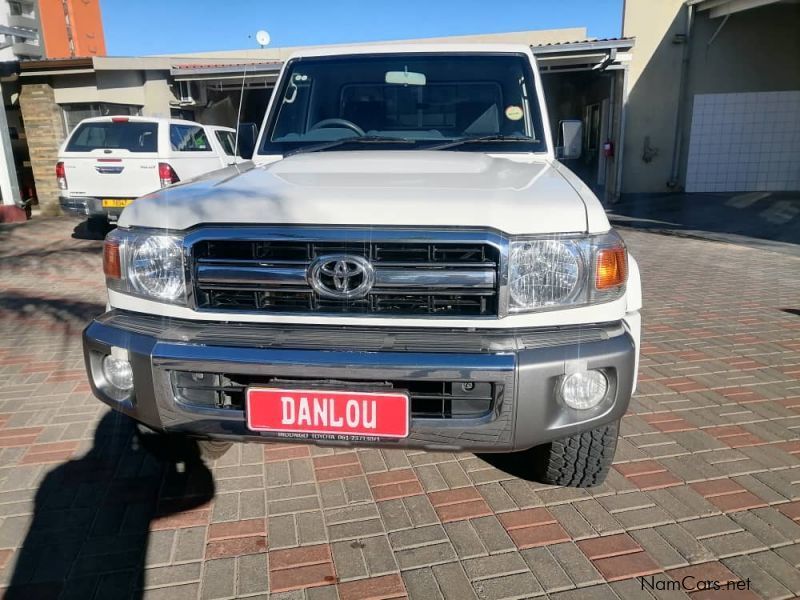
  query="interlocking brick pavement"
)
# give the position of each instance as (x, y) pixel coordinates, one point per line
(706, 481)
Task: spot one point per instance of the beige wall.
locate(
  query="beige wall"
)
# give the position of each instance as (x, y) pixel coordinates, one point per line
(653, 82)
(119, 87)
(148, 89)
(756, 50)
(531, 38)
(158, 93)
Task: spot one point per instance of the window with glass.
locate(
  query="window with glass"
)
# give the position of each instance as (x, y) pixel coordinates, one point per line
(76, 112)
(228, 141)
(133, 136)
(188, 138)
(408, 101)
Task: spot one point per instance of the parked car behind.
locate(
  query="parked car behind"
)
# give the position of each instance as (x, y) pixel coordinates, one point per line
(107, 162)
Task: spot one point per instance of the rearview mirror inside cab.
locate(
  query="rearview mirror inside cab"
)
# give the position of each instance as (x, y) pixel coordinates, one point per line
(406, 78)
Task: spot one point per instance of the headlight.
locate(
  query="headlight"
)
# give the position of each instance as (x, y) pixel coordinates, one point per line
(144, 264)
(564, 271)
(544, 273)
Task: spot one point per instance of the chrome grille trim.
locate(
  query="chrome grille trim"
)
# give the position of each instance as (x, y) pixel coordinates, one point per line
(397, 279)
(220, 275)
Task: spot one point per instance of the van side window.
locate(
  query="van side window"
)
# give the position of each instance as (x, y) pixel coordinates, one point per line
(188, 138)
(228, 141)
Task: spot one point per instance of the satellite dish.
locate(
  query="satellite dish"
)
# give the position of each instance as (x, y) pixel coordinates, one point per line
(262, 37)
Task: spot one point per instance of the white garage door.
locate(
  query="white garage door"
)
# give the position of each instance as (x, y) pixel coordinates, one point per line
(744, 142)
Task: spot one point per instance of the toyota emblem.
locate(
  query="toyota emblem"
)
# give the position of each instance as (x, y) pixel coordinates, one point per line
(341, 276)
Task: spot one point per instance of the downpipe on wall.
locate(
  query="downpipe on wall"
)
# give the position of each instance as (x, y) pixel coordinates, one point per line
(682, 99)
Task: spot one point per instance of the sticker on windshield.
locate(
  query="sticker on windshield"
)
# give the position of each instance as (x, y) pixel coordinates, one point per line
(514, 113)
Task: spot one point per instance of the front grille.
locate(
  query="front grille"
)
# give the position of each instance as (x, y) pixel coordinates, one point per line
(429, 399)
(410, 278)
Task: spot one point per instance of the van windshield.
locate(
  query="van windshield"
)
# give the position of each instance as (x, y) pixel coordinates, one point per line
(133, 136)
(405, 102)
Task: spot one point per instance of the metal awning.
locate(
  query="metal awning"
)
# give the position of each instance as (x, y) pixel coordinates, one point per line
(584, 55)
(218, 71)
(724, 8)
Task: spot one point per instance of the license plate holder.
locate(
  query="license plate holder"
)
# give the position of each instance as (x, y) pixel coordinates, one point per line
(319, 413)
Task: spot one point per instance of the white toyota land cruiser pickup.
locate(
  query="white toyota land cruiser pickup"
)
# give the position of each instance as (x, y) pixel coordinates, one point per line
(404, 264)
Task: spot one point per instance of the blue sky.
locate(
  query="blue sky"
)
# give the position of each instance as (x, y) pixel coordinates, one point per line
(141, 27)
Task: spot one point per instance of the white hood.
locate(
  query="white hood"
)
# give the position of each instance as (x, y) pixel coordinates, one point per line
(395, 188)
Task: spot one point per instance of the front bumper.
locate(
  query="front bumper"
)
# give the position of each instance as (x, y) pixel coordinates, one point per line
(88, 207)
(524, 364)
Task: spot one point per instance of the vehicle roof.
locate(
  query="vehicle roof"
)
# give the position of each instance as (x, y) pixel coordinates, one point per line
(443, 48)
(140, 119)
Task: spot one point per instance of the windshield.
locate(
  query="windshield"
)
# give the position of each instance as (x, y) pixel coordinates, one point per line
(406, 102)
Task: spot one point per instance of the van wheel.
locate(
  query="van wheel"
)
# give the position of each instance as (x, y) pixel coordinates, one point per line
(582, 460)
(97, 226)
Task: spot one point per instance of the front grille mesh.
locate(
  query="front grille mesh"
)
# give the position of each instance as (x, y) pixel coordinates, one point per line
(270, 276)
(429, 399)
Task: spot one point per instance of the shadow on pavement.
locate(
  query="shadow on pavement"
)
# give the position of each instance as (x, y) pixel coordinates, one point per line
(61, 310)
(91, 230)
(92, 515)
(522, 465)
(764, 220)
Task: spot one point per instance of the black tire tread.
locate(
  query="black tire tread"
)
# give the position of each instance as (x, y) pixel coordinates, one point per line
(581, 460)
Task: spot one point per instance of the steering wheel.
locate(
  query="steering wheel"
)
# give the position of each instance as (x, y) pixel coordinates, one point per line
(340, 122)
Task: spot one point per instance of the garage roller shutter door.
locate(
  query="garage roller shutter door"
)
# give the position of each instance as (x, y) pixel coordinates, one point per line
(744, 142)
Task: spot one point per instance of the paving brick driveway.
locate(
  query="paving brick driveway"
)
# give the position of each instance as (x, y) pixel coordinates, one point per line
(706, 484)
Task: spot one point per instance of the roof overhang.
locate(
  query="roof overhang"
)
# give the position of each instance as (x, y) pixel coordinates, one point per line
(56, 66)
(587, 55)
(724, 8)
(214, 72)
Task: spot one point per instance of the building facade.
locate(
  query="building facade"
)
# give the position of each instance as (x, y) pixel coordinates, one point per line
(713, 96)
(697, 95)
(32, 30)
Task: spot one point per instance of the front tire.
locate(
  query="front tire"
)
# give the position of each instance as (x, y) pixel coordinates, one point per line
(176, 446)
(582, 460)
(213, 449)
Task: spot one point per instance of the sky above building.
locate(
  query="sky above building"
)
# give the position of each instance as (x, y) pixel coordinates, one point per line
(171, 26)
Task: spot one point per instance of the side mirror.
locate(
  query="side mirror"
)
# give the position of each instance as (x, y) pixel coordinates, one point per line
(570, 139)
(246, 135)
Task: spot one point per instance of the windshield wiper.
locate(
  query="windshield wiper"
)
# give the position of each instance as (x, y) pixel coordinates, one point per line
(496, 137)
(364, 139)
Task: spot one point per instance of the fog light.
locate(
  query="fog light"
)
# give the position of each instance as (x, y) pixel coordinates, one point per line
(584, 389)
(118, 373)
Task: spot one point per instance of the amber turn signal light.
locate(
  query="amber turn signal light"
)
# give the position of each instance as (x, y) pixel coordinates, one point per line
(112, 265)
(611, 269)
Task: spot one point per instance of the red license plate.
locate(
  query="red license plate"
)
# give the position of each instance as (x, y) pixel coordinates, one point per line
(328, 412)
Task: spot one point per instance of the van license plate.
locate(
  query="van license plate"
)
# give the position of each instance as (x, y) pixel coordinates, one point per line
(320, 412)
(116, 202)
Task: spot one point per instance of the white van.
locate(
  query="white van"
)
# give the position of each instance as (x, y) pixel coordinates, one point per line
(107, 162)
